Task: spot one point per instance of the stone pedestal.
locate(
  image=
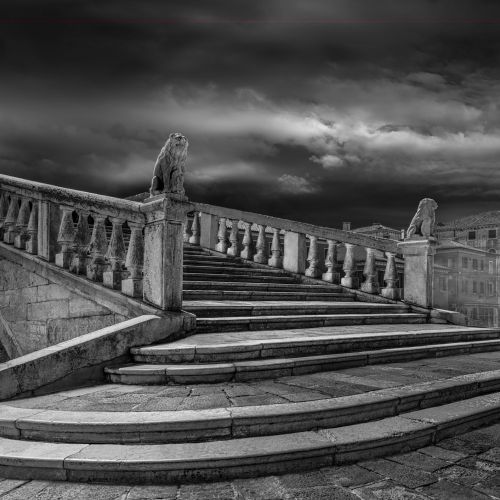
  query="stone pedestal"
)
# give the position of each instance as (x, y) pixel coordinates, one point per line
(20, 241)
(95, 271)
(294, 257)
(419, 269)
(112, 279)
(163, 251)
(63, 259)
(132, 287)
(78, 264)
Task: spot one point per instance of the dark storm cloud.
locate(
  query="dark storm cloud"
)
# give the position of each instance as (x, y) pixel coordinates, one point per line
(321, 110)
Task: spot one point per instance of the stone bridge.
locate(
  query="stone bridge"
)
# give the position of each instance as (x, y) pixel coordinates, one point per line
(233, 334)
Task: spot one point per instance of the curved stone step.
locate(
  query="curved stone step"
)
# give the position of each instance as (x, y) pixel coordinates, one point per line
(226, 347)
(227, 459)
(284, 367)
(237, 323)
(264, 295)
(227, 308)
(236, 422)
(190, 284)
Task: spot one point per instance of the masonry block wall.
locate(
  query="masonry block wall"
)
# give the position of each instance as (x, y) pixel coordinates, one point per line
(36, 313)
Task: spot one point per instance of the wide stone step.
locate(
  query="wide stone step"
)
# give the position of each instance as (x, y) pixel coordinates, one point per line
(241, 323)
(211, 260)
(239, 277)
(253, 456)
(249, 271)
(191, 284)
(240, 421)
(228, 308)
(264, 295)
(242, 346)
(192, 373)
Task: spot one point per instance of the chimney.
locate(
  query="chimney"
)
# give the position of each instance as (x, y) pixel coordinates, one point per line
(346, 226)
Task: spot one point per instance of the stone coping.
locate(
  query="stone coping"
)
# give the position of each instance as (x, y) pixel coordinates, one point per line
(235, 422)
(81, 358)
(214, 460)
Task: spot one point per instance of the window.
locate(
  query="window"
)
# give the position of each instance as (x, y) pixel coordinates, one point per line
(464, 262)
(471, 235)
(474, 264)
(491, 288)
(450, 263)
(474, 287)
(442, 283)
(492, 234)
(490, 267)
(481, 287)
(482, 265)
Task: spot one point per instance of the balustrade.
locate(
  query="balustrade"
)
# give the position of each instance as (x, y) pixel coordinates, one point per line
(194, 239)
(261, 256)
(32, 230)
(65, 238)
(98, 249)
(22, 224)
(81, 242)
(370, 285)
(331, 275)
(349, 267)
(134, 262)
(313, 270)
(4, 208)
(391, 277)
(276, 259)
(187, 230)
(112, 278)
(234, 249)
(10, 220)
(222, 236)
(248, 250)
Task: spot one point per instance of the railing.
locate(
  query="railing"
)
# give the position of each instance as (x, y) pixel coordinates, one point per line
(296, 247)
(124, 245)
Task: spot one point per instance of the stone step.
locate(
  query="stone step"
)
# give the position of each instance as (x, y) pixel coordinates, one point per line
(191, 284)
(210, 260)
(241, 371)
(264, 295)
(253, 456)
(238, 421)
(239, 277)
(227, 347)
(232, 269)
(228, 308)
(241, 323)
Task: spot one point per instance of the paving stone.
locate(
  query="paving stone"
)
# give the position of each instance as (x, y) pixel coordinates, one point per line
(474, 462)
(265, 399)
(305, 480)
(388, 490)
(76, 491)
(492, 455)
(443, 453)
(236, 390)
(467, 448)
(323, 493)
(210, 491)
(265, 488)
(350, 475)
(463, 475)
(402, 474)
(11, 484)
(204, 402)
(160, 404)
(490, 486)
(27, 491)
(489, 435)
(152, 492)
(446, 490)
(420, 461)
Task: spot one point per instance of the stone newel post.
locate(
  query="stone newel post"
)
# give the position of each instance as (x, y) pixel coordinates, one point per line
(163, 250)
(418, 251)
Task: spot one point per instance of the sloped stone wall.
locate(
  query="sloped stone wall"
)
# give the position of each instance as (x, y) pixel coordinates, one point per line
(37, 313)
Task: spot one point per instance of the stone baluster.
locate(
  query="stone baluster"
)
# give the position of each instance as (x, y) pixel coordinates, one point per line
(66, 238)
(391, 278)
(32, 230)
(349, 267)
(312, 257)
(248, 250)
(80, 245)
(116, 255)
(22, 221)
(98, 248)
(132, 286)
(370, 285)
(331, 275)
(276, 260)
(4, 208)
(195, 230)
(234, 249)
(261, 256)
(10, 220)
(187, 230)
(221, 236)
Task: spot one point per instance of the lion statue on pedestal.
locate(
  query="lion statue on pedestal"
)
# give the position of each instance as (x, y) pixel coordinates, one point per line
(168, 174)
(424, 221)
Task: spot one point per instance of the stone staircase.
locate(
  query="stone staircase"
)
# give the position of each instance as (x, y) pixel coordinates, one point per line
(261, 330)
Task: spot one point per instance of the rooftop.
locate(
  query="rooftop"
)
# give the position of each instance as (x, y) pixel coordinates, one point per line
(483, 219)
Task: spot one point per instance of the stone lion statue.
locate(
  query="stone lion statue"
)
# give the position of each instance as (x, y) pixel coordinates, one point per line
(168, 174)
(424, 220)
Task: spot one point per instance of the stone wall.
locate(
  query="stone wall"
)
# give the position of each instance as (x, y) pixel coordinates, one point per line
(37, 313)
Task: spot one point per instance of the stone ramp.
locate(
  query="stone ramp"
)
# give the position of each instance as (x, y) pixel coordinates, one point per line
(227, 459)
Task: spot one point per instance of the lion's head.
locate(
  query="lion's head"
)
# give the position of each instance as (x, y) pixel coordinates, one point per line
(427, 206)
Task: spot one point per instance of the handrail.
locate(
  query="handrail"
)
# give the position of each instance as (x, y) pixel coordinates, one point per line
(382, 244)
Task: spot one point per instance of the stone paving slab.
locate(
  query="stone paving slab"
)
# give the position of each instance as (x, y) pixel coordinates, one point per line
(350, 381)
(379, 479)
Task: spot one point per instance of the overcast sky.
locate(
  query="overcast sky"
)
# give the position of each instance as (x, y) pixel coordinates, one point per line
(317, 110)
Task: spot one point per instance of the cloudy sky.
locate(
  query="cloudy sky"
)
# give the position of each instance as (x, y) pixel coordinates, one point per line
(317, 110)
